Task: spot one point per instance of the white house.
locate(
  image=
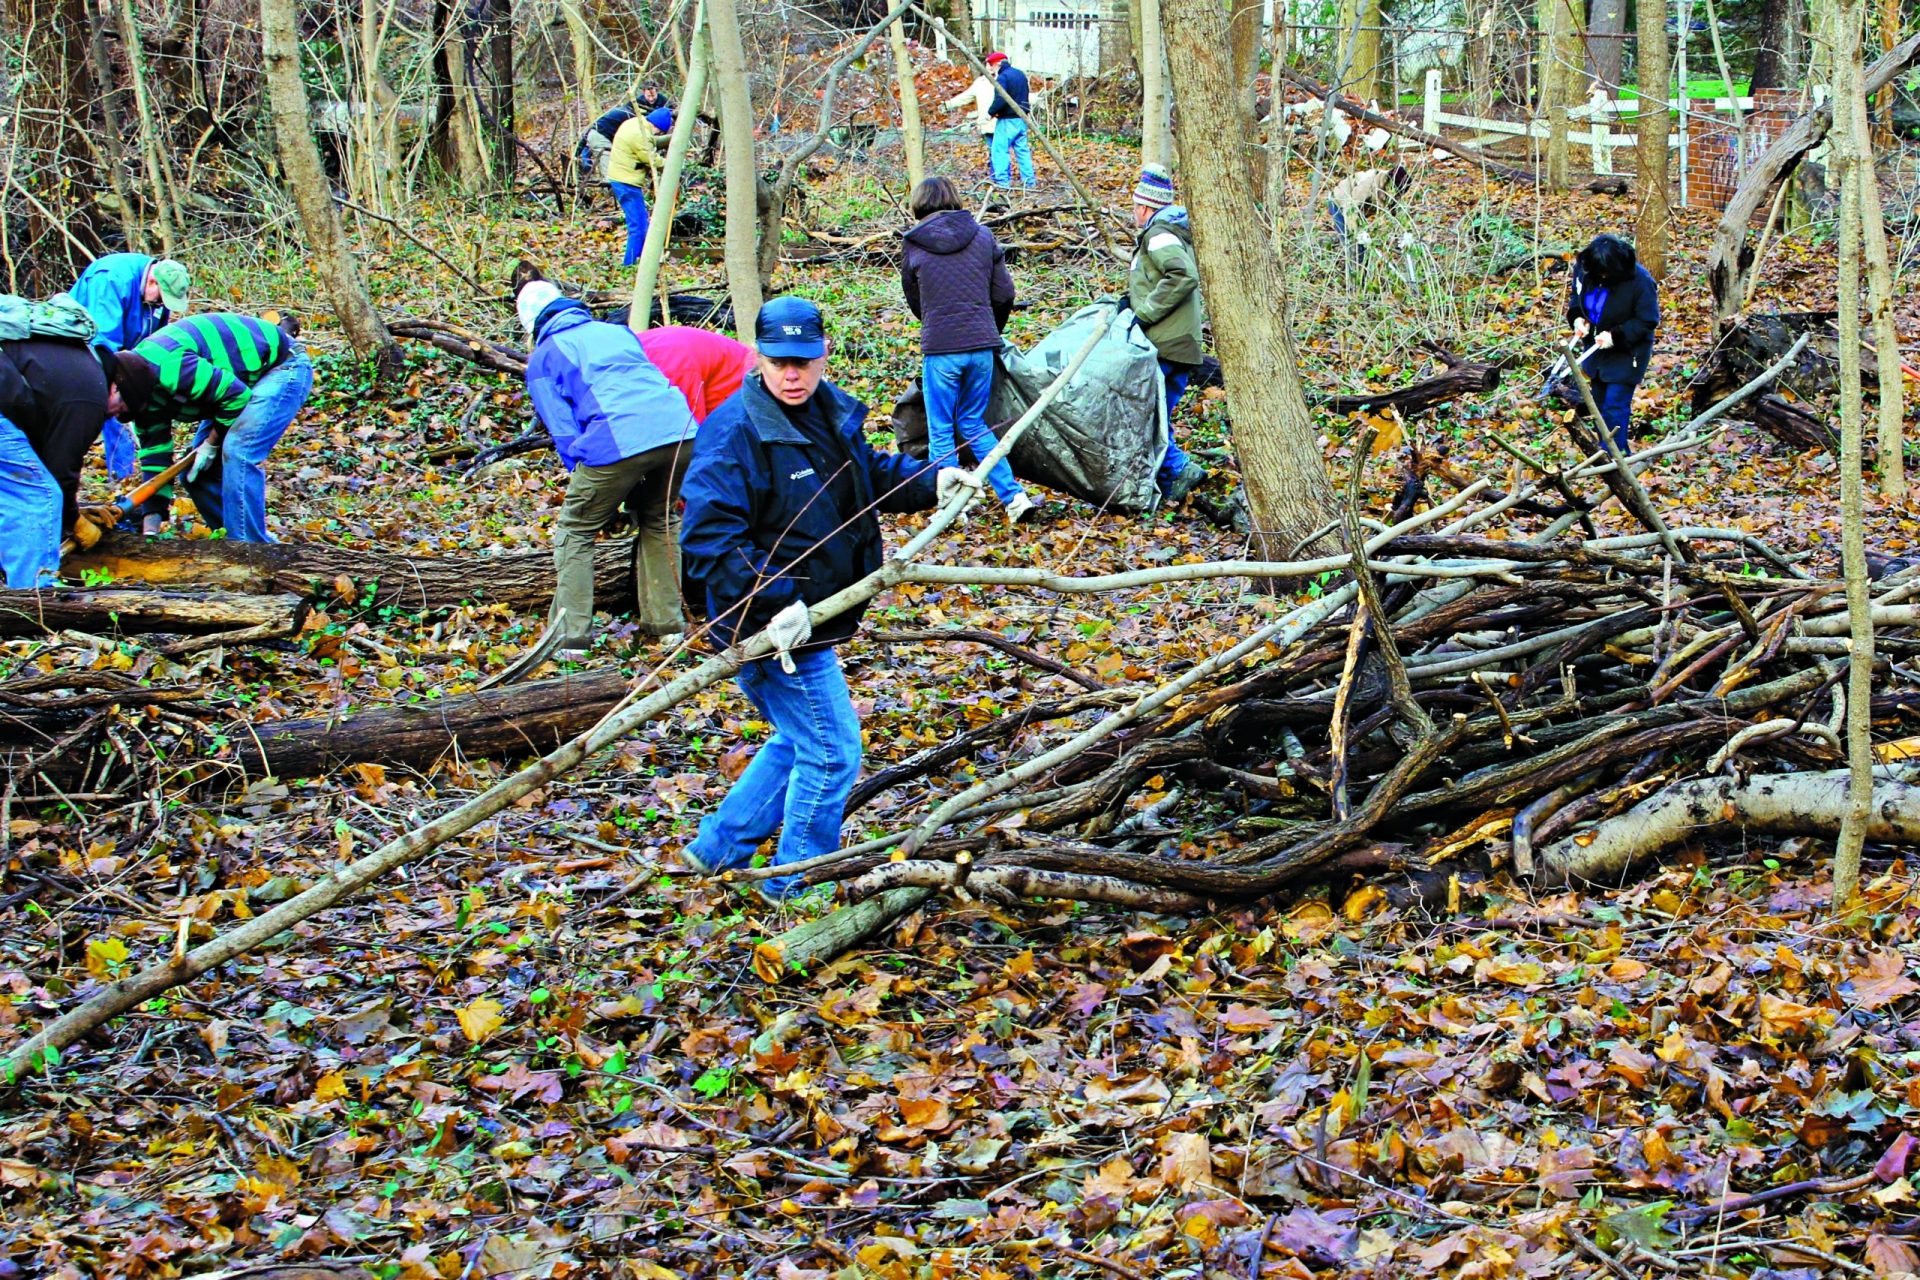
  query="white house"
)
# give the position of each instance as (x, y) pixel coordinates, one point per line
(1051, 38)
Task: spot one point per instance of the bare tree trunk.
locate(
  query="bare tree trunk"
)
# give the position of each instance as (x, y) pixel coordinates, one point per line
(1891, 451)
(912, 138)
(1655, 75)
(1560, 68)
(1853, 164)
(500, 46)
(103, 79)
(1780, 52)
(307, 182)
(667, 192)
(1243, 45)
(153, 149)
(580, 37)
(1280, 463)
(457, 137)
(1362, 78)
(1156, 137)
(1606, 43)
(743, 175)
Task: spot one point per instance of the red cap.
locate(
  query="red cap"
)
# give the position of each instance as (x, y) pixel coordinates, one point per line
(996, 57)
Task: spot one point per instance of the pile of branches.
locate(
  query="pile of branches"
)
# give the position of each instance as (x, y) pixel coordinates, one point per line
(1468, 697)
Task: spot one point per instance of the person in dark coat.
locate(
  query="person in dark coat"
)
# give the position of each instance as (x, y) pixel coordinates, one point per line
(955, 276)
(651, 99)
(781, 496)
(1615, 302)
(1009, 126)
(54, 395)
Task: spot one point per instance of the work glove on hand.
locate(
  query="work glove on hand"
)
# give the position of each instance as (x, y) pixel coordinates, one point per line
(952, 479)
(1603, 340)
(203, 457)
(1580, 328)
(790, 627)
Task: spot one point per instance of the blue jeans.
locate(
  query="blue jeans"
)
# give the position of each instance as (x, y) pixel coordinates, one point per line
(800, 778)
(232, 492)
(116, 440)
(1010, 135)
(1615, 402)
(633, 204)
(1176, 459)
(956, 387)
(30, 505)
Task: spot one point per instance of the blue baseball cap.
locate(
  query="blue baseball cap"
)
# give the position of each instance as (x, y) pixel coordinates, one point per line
(790, 328)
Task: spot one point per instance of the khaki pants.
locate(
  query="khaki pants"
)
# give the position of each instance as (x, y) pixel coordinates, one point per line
(650, 485)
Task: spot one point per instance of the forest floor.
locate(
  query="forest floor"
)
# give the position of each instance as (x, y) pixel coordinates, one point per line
(541, 1051)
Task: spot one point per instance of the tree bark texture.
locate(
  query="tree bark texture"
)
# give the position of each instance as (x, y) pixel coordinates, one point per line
(1156, 134)
(1560, 64)
(912, 138)
(136, 612)
(1243, 49)
(1853, 164)
(743, 175)
(1280, 463)
(458, 139)
(1780, 51)
(51, 160)
(307, 183)
(1360, 49)
(341, 576)
(1606, 43)
(1653, 228)
(500, 48)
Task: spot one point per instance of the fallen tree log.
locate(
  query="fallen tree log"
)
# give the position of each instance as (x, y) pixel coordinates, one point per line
(1793, 425)
(115, 611)
(1497, 168)
(349, 576)
(1803, 804)
(1462, 378)
(518, 720)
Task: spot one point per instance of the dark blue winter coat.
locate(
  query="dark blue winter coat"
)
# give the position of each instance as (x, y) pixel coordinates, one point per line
(112, 289)
(773, 517)
(1012, 82)
(596, 392)
(1631, 314)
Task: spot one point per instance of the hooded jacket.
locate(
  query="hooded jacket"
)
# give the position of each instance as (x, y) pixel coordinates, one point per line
(596, 392)
(1163, 286)
(113, 289)
(635, 153)
(955, 276)
(778, 513)
(1631, 314)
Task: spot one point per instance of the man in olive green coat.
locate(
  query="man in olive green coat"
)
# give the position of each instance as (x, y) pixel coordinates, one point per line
(1163, 289)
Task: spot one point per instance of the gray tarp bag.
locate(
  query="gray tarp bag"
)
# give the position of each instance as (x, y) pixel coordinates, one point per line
(1103, 436)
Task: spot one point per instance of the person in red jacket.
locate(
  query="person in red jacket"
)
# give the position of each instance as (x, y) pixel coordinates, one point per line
(706, 366)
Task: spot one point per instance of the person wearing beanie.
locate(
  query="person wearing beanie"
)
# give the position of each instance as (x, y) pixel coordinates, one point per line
(1163, 291)
(597, 141)
(130, 296)
(631, 164)
(54, 394)
(781, 497)
(242, 378)
(623, 432)
(1009, 126)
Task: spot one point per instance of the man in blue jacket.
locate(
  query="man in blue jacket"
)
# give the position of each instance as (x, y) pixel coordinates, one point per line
(1009, 126)
(131, 297)
(624, 432)
(781, 496)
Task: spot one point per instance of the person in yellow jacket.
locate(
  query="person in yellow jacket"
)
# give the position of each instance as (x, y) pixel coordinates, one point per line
(630, 166)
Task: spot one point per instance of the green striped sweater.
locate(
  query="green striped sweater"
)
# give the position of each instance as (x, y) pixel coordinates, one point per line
(207, 366)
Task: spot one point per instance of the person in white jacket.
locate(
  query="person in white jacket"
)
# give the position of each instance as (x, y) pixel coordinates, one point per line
(980, 95)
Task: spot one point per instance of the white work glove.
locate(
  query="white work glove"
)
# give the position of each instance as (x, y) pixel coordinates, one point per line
(203, 457)
(1603, 339)
(951, 479)
(1580, 327)
(791, 626)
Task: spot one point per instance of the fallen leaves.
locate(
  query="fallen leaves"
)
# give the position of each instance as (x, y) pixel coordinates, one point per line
(480, 1019)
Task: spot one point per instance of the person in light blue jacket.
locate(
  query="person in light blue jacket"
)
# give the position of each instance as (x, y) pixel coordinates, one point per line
(625, 433)
(131, 297)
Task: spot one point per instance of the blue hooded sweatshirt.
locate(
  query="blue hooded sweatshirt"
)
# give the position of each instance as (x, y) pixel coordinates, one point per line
(596, 392)
(111, 290)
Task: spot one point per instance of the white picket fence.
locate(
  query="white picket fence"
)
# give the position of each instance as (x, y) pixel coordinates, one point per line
(1601, 115)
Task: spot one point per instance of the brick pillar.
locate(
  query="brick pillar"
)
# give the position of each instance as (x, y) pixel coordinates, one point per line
(1715, 165)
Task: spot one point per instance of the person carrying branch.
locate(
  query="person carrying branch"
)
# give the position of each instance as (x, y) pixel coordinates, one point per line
(954, 274)
(243, 378)
(54, 396)
(781, 497)
(977, 100)
(623, 431)
(130, 297)
(1613, 302)
(1163, 291)
(631, 164)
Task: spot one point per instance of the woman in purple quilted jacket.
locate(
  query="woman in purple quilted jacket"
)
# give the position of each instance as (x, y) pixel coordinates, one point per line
(956, 280)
